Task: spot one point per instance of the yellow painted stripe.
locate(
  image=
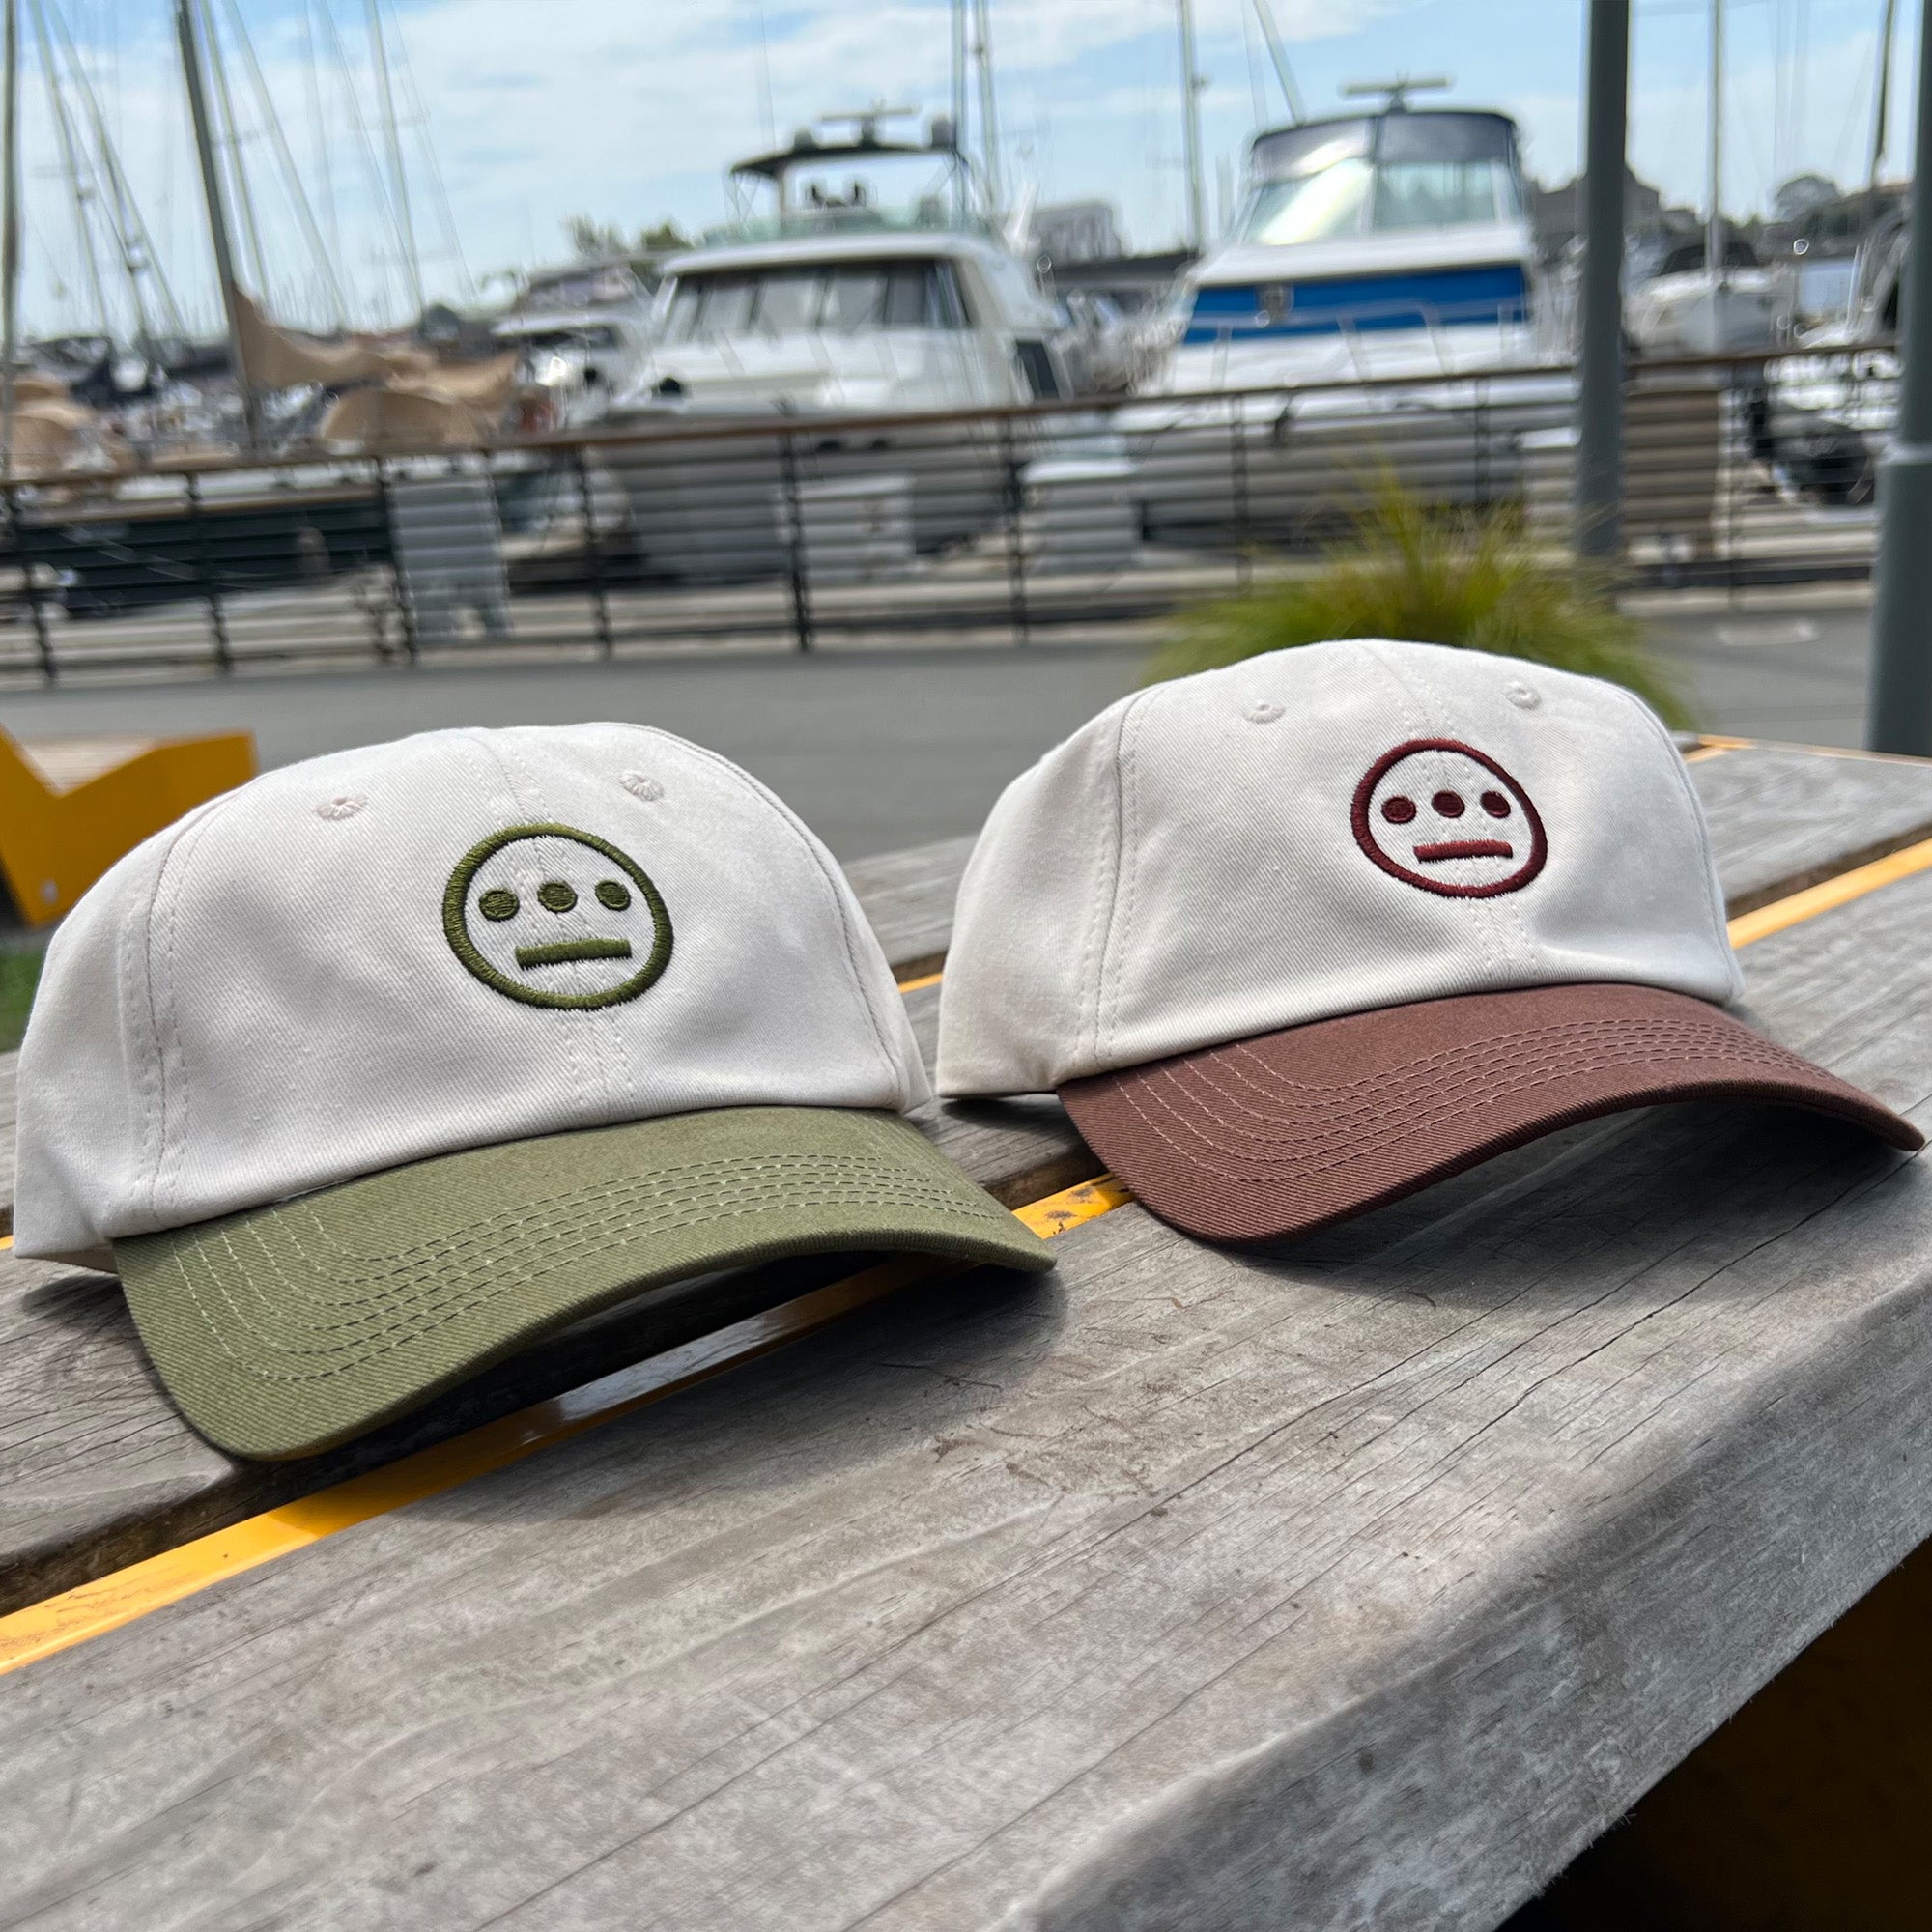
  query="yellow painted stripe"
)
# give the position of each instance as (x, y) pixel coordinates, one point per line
(90, 1610)
(1705, 753)
(925, 980)
(1832, 893)
(6, 1240)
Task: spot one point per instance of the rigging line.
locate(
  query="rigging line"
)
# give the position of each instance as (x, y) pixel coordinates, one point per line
(231, 141)
(70, 166)
(129, 226)
(452, 241)
(379, 55)
(364, 140)
(292, 184)
(318, 130)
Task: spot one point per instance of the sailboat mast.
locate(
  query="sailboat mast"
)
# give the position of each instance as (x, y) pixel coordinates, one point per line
(1190, 129)
(379, 53)
(189, 38)
(10, 232)
(989, 116)
(1714, 229)
(1881, 103)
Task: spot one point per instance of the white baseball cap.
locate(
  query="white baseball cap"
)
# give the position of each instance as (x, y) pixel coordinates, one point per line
(1296, 937)
(379, 1067)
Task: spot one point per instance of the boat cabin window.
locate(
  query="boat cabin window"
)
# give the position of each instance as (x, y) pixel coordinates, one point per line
(1337, 180)
(840, 297)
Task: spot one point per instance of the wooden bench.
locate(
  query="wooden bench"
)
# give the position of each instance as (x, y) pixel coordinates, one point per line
(1359, 1583)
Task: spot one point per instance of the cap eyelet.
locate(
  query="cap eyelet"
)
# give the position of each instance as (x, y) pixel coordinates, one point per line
(640, 784)
(344, 807)
(1264, 710)
(1523, 695)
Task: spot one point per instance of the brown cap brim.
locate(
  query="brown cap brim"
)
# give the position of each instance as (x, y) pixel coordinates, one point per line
(1285, 1133)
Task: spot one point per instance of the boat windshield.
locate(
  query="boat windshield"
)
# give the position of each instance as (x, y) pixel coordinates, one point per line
(1383, 174)
(846, 190)
(836, 297)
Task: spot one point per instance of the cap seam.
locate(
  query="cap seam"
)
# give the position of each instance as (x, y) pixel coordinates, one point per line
(836, 886)
(1681, 772)
(169, 883)
(1116, 922)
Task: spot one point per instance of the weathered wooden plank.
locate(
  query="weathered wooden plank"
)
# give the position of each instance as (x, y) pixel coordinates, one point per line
(97, 1470)
(1783, 818)
(1356, 1585)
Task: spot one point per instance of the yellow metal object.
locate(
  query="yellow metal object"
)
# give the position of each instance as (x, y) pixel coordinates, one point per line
(69, 809)
(1832, 893)
(924, 981)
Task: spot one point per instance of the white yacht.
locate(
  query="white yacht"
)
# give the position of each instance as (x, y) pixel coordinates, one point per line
(873, 288)
(581, 331)
(1383, 248)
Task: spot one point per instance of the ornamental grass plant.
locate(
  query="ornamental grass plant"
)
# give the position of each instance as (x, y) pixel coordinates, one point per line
(1429, 576)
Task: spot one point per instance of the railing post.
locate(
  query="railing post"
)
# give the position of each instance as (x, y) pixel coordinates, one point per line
(210, 576)
(1015, 495)
(404, 615)
(801, 590)
(593, 554)
(44, 644)
(1237, 457)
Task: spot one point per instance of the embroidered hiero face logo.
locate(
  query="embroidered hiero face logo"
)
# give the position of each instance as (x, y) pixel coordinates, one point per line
(555, 917)
(1447, 817)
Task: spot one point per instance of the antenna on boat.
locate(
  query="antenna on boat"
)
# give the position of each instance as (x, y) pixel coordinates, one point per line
(1191, 85)
(864, 121)
(400, 188)
(1882, 100)
(1395, 92)
(77, 193)
(989, 113)
(1298, 113)
(1714, 229)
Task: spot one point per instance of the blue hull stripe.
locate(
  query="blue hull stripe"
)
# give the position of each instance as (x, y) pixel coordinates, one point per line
(1437, 298)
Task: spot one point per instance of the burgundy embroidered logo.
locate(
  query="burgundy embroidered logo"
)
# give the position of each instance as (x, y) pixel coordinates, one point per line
(1448, 818)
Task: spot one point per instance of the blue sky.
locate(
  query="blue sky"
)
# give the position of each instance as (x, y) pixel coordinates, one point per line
(630, 112)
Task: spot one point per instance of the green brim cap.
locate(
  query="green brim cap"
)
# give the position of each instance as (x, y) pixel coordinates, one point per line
(293, 1327)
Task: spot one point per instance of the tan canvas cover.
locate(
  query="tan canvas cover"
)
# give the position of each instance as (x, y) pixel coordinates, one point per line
(485, 386)
(379, 420)
(50, 433)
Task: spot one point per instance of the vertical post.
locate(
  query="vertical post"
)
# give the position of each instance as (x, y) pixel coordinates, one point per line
(405, 609)
(1713, 220)
(43, 644)
(1898, 710)
(187, 38)
(1237, 457)
(1600, 452)
(10, 232)
(210, 576)
(1016, 495)
(1190, 129)
(594, 552)
(794, 532)
(960, 185)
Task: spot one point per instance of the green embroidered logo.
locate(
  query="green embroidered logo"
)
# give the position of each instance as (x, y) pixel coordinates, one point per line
(555, 917)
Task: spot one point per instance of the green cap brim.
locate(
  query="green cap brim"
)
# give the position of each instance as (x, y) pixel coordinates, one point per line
(291, 1329)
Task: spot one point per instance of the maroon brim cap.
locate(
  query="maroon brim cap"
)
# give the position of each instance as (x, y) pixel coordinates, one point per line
(1287, 1132)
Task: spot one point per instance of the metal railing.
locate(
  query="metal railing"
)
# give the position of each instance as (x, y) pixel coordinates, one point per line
(773, 530)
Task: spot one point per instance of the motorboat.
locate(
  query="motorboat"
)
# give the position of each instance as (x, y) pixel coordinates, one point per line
(1370, 315)
(1677, 307)
(865, 292)
(1829, 408)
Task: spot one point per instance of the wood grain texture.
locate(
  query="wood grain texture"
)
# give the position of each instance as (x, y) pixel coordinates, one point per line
(1354, 1585)
(1782, 818)
(97, 1470)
